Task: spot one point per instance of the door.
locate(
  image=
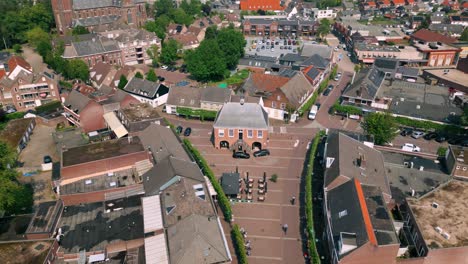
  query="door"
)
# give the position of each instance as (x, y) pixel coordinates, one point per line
(241, 134)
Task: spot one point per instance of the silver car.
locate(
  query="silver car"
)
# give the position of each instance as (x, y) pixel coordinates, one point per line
(417, 134)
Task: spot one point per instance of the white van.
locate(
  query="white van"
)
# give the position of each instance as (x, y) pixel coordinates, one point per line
(313, 112)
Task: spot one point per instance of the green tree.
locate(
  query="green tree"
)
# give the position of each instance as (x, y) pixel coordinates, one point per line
(180, 17)
(122, 82)
(151, 76)
(464, 35)
(169, 51)
(192, 8)
(206, 63)
(17, 48)
(37, 35)
(323, 28)
(163, 7)
(7, 156)
(382, 126)
(206, 8)
(158, 26)
(153, 53)
(139, 75)
(211, 32)
(77, 69)
(232, 43)
(79, 30)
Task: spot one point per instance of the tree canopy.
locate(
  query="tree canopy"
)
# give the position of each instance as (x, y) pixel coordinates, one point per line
(139, 75)
(232, 43)
(324, 28)
(464, 35)
(382, 126)
(151, 76)
(122, 82)
(77, 69)
(79, 30)
(206, 63)
(169, 51)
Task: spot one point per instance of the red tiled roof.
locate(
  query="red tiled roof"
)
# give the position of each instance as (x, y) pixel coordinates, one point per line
(2, 73)
(371, 3)
(266, 5)
(268, 82)
(431, 36)
(465, 4)
(398, 2)
(386, 2)
(18, 61)
(410, 1)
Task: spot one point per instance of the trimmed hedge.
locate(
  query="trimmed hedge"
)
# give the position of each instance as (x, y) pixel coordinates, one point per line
(238, 241)
(222, 199)
(334, 71)
(428, 125)
(305, 107)
(313, 253)
(49, 107)
(346, 109)
(202, 114)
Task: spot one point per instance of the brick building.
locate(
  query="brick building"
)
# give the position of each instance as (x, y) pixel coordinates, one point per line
(266, 5)
(91, 13)
(241, 126)
(277, 26)
(23, 89)
(95, 50)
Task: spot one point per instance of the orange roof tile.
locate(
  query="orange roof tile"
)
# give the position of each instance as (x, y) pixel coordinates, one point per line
(431, 36)
(398, 2)
(268, 82)
(365, 213)
(18, 61)
(371, 3)
(266, 5)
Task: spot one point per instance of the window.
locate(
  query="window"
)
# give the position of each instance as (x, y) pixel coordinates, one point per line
(273, 104)
(260, 134)
(278, 97)
(343, 213)
(221, 132)
(283, 106)
(250, 133)
(231, 132)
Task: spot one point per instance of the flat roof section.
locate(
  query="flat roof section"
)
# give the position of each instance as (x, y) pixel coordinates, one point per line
(93, 226)
(101, 150)
(441, 216)
(140, 112)
(45, 218)
(14, 131)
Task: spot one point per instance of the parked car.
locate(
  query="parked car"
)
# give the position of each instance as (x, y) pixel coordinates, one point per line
(441, 138)
(410, 147)
(313, 112)
(430, 136)
(327, 92)
(406, 131)
(457, 140)
(338, 76)
(240, 155)
(179, 129)
(187, 131)
(164, 67)
(161, 79)
(417, 134)
(47, 159)
(261, 153)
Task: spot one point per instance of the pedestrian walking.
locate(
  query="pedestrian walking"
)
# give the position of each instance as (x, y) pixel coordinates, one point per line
(293, 200)
(285, 228)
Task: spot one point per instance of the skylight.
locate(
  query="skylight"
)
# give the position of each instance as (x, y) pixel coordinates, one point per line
(343, 213)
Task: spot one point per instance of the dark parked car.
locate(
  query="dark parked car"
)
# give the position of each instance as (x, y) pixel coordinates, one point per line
(406, 131)
(161, 79)
(430, 136)
(187, 131)
(241, 155)
(441, 138)
(328, 90)
(261, 153)
(179, 129)
(47, 159)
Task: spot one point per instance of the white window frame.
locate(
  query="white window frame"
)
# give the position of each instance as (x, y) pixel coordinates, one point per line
(273, 104)
(231, 132)
(259, 133)
(282, 106)
(250, 133)
(221, 132)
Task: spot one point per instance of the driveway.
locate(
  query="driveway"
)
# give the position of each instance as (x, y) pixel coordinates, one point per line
(263, 220)
(34, 59)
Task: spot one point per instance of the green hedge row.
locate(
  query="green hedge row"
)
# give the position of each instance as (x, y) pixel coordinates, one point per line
(346, 109)
(428, 125)
(334, 71)
(49, 107)
(238, 241)
(305, 107)
(202, 114)
(222, 199)
(308, 201)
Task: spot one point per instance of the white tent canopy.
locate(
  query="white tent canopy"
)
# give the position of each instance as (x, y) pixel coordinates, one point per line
(114, 123)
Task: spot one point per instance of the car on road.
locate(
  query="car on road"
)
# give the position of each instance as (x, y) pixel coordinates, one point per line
(417, 134)
(349, 54)
(313, 112)
(240, 155)
(187, 131)
(441, 138)
(328, 90)
(410, 147)
(164, 67)
(406, 131)
(179, 129)
(337, 77)
(431, 136)
(336, 48)
(261, 153)
(47, 159)
(161, 79)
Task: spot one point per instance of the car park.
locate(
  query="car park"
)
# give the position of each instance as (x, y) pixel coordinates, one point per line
(187, 131)
(410, 147)
(240, 155)
(417, 134)
(179, 129)
(261, 153)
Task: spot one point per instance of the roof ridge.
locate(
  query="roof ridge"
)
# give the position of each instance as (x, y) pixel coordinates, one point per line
(365, 213)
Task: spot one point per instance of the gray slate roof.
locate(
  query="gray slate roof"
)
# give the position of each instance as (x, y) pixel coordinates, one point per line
(165, 170)
(316, 61)
(92, 4)
(296, 88)
(76, 101)
(94, 21)
(247, 115)
(366, 84)
(214, 94)
(323, 51)
(184, 96)
(162, 142)
(92, 46)
(145, 88)
(447, 28)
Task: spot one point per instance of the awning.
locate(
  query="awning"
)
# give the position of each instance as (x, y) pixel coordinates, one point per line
(211, 189)
(96, 258)
(114, 123)
(152, 217)
(156, 250)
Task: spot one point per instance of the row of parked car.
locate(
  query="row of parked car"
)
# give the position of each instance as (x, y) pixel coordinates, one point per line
(439, 137)
(245, 155)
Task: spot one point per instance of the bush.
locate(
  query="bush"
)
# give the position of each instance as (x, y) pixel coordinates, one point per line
(441, 151)
(274, 178)
(428, 125)
(202, 114)
(64, 84)
(238, 243)
(308, 200)
(49, 107)
(334, 72)
(346, 109)
(222, 199)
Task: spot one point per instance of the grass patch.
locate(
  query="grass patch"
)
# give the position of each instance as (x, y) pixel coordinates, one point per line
(238, 77)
